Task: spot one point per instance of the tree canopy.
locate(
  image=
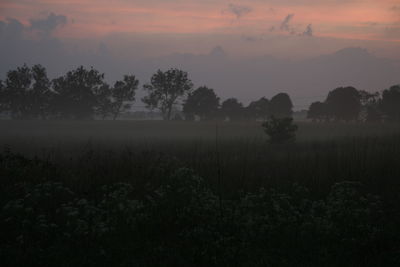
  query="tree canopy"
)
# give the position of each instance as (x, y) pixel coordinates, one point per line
(259, 109)
(165, 90)
(202, 102)
(281, 106)
(76, 93)
(232, 109)
(344, 103)
(317, 111)
(390, 103)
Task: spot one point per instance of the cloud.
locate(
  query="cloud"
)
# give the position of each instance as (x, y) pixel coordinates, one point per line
(395, 8)
(46, 26)
(238, 10)
(285, 25)
(11, 29)
(32, 43)
(309, 31)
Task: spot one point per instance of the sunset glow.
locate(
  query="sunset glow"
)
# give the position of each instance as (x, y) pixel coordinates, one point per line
(353, 19)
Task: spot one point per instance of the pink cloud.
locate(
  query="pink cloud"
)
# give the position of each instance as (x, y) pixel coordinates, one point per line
(334, 18)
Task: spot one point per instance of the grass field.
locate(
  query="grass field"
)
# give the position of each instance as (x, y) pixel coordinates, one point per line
(198, 194)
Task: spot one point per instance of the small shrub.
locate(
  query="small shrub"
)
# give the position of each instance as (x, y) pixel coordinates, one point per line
(280, 130)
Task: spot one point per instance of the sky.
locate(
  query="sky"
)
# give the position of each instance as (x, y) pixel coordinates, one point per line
(282, 37)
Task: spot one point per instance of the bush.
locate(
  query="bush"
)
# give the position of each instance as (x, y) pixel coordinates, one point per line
(280, 130)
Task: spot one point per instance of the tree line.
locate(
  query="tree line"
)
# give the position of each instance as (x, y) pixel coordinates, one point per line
(28, 93)
(350, 104)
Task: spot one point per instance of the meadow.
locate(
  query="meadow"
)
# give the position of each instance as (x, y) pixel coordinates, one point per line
(156, 193)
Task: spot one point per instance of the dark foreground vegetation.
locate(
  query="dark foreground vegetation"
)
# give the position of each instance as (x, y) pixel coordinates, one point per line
(221, 197)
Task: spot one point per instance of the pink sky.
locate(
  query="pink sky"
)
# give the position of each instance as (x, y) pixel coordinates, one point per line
(348, 19)
(260, 43)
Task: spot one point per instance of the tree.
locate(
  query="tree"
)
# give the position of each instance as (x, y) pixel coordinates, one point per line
(281, 106)
(166, 89)
(124, 91)
(27, 93)
(2, 98)
(390, 104)
(16, 92)
(344, 103)
(232, 109)
(41, 95)
(76, 93)
(202, 102)
(280, 130)
(104, 104)
(259, 109)
(370, 106)
(317, 111)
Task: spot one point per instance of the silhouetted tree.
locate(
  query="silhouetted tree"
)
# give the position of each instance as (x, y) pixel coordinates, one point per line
(104, 104)
(373, 114)
(2, 98)
(232, 109)
(280, 130)
(344, 103)
(202, 102)
(281, 106)
(165, 89)
(16, 92)
(317, 111)
(76, 93)
(259, 109)
(41, 95)
(123, 94)
(27, 93)
(370, 106)
(390, 104)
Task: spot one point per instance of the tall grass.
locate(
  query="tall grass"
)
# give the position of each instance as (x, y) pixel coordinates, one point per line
(172, 194)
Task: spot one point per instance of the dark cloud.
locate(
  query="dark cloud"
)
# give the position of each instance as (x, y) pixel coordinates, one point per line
(46, 26)
(395, 8)
(285, 25)
(308, 31)
(33, 43)
(11, 29)
(238, 10)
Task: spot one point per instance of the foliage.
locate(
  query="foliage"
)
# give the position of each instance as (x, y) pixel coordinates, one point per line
(281, 106)
(232, 109)
(390, 103)
(123, 92)
(165, 89)
(26, 93)
(104, 103)
(80, 94)
(259, 109)
(280, 130)
(317, 111)
(76, 93)
(202, 102)
(344, 103)
(41, 94)
(179, 220)
(3, 103)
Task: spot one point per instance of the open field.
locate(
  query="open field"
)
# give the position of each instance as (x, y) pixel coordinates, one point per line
(54, 133)
(153, 193)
